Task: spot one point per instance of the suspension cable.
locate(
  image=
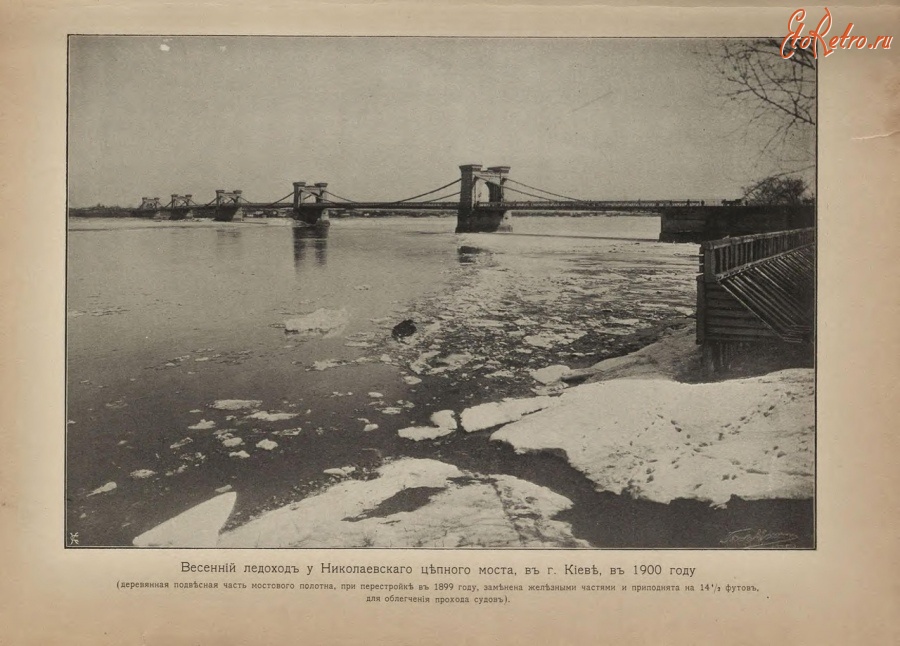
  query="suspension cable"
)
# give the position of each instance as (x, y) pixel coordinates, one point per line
(439, 188)
(438, 199)
(271, 204)
(528, 194)
(345, 199)
(534, 188)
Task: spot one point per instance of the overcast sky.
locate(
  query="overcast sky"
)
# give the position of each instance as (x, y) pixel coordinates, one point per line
(386, 118)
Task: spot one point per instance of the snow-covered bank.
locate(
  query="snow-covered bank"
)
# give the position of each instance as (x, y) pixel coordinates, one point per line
(662, 440)
(415, 503)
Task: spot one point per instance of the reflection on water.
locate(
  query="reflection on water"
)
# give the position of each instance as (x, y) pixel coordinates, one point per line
(310, 237)
(468, 255)
(228, 244)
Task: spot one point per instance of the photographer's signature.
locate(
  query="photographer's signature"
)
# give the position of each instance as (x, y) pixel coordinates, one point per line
(758, 538)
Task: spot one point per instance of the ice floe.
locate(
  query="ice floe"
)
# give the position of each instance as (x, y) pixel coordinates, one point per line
(662, 440)
(235, 404)
(419, 433)
(415, 503)
(271, 417)
(197, 527)
(327, 364)
(340, 471)
(444, 419)
(550, 374)
(322, 322)
(484, 416)
(203, 425)
(109, 486)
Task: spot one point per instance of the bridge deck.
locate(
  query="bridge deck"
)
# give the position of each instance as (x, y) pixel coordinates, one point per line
(608, 205)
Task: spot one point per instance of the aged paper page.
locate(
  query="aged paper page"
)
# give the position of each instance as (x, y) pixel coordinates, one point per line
(190, 376)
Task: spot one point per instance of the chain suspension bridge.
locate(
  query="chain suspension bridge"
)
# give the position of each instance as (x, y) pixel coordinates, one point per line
(484, 200)
(767, 291)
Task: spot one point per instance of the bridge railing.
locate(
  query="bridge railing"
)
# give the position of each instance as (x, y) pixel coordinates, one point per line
(720, 258)
(590, 204)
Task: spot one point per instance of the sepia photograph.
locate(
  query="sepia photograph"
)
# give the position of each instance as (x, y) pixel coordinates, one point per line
(448, 293)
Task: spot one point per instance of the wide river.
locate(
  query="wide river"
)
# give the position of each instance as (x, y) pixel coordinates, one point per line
(165, 318)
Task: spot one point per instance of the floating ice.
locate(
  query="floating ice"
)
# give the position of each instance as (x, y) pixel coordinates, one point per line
(661, 440)
(271, 417)
(342, 471)
(267, 445)
(439, 505)
(550, 374)
(493, 414)
(444, 419)
(203, 425)
(419, 433)
(322, 322)
(140, 474)
(197, 527)
(109, 486)
(235, 404)
(327, 364)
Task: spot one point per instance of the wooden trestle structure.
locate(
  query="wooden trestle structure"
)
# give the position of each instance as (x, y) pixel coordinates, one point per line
(755, 289)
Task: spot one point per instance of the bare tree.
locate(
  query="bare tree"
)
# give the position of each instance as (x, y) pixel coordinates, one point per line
(777, 190)
(780, 91)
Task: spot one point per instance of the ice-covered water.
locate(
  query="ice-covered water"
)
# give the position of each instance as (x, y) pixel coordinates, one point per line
(167, 319)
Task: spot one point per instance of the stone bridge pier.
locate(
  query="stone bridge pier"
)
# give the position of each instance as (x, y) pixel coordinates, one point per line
(150, 207)
(480, 213)
(228, 205)
(180, 207)
(310, 204)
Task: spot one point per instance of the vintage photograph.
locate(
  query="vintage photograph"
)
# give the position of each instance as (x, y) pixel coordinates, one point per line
(442, 292)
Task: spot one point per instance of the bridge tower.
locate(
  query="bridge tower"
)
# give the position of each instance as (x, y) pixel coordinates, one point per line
(180, 207)
(149, 204)
(303, 192)
(228, 205)
(310, 203)
(181, 201)
(476, 215)
(228, 197)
